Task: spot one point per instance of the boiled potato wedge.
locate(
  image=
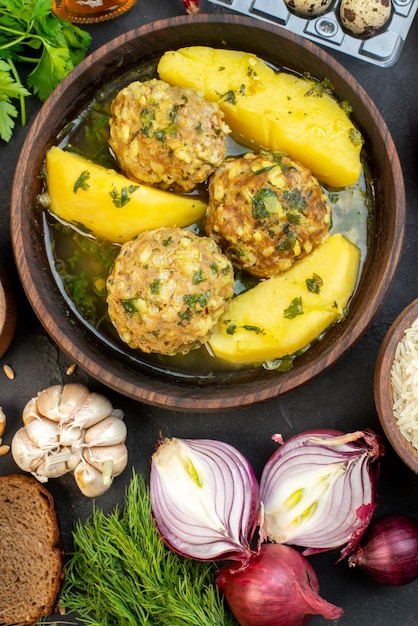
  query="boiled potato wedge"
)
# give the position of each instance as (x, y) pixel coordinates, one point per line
(107, 204)
(270, 110)
(286, 313)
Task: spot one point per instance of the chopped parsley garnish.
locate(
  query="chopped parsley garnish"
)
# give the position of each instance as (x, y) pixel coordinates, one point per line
(314, 284)
(81, 182)
(294, 199)
(155, 286)
(346, 107)
(263, 203)
(122, 198)
(147, 116)
(229, 96)
(320, 87)
(198, 277)
(288, 241)
(254, 329)
(231, 329)
(192, 299)
(356, 137)
(294, 309)
(130, 305)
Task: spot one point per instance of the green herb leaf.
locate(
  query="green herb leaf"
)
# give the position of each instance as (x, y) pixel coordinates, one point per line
(122, 198)
(9, 89)
(294, 309)
(130, 305)
(31, 34)
(81, 182)
(264, 202)
(254, 329)
(314, 284)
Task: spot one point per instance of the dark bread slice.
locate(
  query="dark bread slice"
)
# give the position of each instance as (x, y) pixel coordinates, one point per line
(30, 558)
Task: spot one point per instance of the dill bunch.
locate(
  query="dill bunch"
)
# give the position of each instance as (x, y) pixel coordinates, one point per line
(122, 574)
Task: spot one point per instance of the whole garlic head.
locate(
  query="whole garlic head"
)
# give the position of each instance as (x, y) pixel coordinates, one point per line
(70, 429)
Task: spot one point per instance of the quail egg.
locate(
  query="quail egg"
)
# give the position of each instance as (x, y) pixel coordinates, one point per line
(364, 18)
(308, 8)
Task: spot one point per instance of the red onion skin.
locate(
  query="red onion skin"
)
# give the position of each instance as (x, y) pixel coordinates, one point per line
(389, 552)
(278, 587)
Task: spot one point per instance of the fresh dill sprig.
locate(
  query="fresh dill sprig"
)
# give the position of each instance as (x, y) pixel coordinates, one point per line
(122, 574)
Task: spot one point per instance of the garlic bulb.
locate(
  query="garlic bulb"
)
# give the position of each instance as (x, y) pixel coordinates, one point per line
(70, 429)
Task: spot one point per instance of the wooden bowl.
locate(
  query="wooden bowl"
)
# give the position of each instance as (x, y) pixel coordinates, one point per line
(235, 389)
(383, 386)
(7, 312)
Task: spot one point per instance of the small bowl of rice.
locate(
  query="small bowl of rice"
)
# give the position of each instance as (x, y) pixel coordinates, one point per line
(396, 385)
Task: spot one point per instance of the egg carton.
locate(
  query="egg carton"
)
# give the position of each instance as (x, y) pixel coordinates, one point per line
(381, 49)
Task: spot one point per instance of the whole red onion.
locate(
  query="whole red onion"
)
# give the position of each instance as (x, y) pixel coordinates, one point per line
(389, 552)
(278, 587)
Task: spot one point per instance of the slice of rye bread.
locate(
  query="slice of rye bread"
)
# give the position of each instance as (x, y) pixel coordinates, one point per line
(30, 556)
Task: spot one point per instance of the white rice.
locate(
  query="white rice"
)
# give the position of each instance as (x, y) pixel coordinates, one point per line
(404, 377)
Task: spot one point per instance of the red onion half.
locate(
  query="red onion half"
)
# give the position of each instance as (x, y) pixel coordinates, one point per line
(278, 587)
(204, 498)
(319, 489)
(389, 552)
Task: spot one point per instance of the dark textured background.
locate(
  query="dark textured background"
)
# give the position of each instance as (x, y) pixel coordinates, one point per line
(342, 398)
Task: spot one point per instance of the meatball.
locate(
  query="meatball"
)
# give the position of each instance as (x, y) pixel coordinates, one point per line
(266, 211)
(168, 289)
(166, 136)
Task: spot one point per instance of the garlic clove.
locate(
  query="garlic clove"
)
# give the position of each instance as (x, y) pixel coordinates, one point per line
(44, 433)
(25, 453)
(73, 461)
(59, 402)
(110, 431)
(73, 398)
(105, 457)
(48, 402)
(30, 411)
(50, 469)
(95, 408)
(89, 480)
(69, 435)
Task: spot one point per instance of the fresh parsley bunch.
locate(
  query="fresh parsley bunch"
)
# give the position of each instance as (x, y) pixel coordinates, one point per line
(32, 35)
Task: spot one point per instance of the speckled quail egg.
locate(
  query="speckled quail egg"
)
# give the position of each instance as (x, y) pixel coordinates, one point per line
(365, 17)
(309, 8)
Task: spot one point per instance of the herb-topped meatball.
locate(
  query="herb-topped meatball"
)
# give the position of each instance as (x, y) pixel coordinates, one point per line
(266, 211)
(168, 289)
(166, 136)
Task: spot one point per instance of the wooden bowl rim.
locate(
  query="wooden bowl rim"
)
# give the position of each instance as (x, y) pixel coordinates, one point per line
(175, 394)
(383, 385)
(8, 313)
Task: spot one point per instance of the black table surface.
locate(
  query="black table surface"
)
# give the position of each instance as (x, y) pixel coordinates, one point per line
(341, 398)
